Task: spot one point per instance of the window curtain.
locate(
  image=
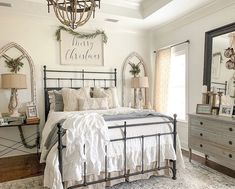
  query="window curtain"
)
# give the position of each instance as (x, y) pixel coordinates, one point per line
(162, 69)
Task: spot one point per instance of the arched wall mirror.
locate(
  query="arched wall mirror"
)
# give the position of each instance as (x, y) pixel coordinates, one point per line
(12, 51)
(219, 65)
(127, 90)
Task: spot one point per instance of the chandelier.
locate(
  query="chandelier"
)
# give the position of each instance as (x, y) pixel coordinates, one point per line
(73, 13)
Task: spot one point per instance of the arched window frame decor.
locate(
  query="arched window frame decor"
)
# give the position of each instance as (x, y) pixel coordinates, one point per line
(124, 68)
(26, 56)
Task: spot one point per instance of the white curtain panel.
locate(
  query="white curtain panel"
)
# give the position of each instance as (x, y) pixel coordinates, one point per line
(162, 66)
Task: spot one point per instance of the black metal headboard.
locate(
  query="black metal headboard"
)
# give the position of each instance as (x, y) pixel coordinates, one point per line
(81, 77)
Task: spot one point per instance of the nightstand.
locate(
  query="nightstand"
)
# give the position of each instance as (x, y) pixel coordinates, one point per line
(14, 146)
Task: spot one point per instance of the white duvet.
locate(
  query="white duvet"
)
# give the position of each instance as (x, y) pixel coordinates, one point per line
(78, 134)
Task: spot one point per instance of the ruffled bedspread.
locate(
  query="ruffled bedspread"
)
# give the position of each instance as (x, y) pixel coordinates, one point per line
(90, 129)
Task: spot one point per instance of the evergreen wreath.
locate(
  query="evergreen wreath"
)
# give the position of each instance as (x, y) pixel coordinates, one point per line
(81, 35)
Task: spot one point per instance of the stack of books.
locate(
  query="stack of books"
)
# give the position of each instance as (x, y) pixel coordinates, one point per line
(8, 120)
(33, 120)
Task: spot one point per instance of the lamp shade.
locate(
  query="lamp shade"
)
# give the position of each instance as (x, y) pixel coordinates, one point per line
(139, 82)
(143, 82)
(134, 82)
(14, 81)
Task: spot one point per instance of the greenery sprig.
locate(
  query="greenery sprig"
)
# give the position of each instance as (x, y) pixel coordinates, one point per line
(81, 35)
(135, 69)
(14, 64)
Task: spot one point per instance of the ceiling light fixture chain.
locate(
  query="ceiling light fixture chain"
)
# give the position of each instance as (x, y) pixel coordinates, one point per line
(73, 13)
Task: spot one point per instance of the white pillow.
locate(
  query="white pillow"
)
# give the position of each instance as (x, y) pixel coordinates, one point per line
(93, 104)
(55, 100)
(71, 96)
(110, 93)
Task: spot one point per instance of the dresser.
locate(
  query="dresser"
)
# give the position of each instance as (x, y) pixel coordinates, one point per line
(213, 136)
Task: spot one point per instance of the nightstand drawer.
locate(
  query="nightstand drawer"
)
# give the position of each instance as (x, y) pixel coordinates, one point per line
(218, 126)
(223, 140)
(211, 149)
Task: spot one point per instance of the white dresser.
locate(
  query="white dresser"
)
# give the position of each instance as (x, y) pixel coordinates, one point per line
(214, 136)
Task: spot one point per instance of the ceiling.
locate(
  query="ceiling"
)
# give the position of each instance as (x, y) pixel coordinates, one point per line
(137, 14)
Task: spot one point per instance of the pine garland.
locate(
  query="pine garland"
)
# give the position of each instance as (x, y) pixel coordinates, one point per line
(81, 35)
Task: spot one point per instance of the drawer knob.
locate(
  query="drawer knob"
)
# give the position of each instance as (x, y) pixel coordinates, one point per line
(230, 142)
(201, 134)
(230, 129)
(201, 123)
(230, 155)
(201, 145)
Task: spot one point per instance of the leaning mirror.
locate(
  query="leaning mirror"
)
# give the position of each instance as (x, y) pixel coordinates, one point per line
(219, 66)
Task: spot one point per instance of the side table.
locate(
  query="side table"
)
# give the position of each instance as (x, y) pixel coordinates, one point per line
(22, 137)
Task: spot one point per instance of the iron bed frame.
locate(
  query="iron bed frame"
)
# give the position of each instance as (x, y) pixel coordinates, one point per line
(126, 174)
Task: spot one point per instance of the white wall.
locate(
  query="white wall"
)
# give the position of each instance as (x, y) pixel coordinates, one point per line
(195, 32)
(37, 35)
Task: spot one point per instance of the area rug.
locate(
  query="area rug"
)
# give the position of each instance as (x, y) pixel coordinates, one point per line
(194, 176)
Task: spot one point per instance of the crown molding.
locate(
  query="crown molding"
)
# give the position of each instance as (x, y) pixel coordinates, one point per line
(198, 14)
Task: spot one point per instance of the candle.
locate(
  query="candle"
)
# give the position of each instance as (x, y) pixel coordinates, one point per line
(204, 89)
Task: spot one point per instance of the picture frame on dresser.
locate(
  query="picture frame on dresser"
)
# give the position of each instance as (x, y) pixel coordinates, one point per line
(226, 110)
(204, 109)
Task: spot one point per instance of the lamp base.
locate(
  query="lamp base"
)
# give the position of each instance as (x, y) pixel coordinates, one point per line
(15, 113)
(13, 104)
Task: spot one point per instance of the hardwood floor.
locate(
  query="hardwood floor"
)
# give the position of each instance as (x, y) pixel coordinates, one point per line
(211, 164)
(19, 167)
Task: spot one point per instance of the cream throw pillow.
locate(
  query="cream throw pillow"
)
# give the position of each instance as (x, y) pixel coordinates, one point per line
(93, 104)
(110, 93)
(71, 96)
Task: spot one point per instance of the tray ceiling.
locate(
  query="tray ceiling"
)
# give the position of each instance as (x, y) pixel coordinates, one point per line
(138, 14)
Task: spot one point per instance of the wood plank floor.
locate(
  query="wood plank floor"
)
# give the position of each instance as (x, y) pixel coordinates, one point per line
(19, 167)
(211, 164)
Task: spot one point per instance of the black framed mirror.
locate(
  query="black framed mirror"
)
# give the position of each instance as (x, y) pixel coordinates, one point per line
(216, 69)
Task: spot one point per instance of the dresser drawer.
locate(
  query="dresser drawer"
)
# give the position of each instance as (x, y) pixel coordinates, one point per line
(211, 149)
(226, 141)
(212, 125)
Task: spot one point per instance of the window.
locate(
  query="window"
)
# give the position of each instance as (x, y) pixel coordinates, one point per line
(171, 82)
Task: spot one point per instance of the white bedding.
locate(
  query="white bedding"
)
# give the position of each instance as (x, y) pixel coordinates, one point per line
(72, 163)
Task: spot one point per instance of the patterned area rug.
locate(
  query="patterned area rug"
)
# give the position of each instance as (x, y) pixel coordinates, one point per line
(195, 176)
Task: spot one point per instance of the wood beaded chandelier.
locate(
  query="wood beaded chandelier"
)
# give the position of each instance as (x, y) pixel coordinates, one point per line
(73, 13)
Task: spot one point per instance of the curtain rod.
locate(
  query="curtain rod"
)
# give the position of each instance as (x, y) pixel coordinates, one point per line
(170, 46)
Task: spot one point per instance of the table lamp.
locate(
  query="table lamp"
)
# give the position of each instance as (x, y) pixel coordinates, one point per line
(14, 82)
(140, 83)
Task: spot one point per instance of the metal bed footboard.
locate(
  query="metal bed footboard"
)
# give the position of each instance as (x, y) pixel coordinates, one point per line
(126, 174)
